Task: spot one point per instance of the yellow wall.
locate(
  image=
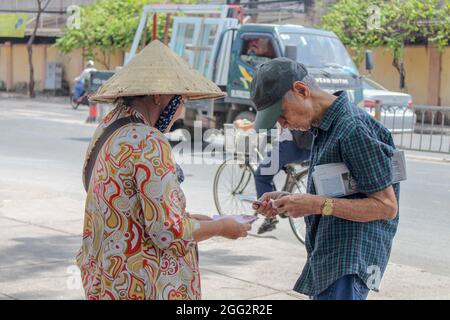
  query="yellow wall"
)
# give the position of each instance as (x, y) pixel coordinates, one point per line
(3, 64)
(416, 68)
(21, 67)
(73, 63)
(415, 59)
(445, 78)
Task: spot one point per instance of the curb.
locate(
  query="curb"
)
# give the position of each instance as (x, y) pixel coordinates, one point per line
(425, 158)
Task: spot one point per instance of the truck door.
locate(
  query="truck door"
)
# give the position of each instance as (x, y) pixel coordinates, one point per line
(249, 50)
(197, 39)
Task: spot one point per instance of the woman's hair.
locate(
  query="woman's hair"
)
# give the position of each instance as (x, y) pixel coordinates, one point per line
(127, 101)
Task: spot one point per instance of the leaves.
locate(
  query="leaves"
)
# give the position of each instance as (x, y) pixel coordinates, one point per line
(108, 25)
(400, 22)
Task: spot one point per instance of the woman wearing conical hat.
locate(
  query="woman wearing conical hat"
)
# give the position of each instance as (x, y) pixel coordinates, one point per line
(138, 240)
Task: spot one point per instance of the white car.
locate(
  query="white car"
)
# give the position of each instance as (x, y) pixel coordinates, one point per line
(397, 113)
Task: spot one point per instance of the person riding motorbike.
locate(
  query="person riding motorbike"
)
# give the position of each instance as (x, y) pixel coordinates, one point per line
(82, 81)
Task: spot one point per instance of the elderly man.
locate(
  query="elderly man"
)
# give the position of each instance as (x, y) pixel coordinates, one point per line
(349, 239)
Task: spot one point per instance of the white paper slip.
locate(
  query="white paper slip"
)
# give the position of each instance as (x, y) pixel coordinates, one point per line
(335, 180)
(399, 166)
(247, 198)
(240, 218)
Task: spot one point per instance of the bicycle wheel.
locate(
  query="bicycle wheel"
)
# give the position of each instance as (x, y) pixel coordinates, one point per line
(234, 188)
(73, 103)
(298, 225)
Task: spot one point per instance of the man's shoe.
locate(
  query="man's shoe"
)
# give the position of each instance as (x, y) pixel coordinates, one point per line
(268, 225)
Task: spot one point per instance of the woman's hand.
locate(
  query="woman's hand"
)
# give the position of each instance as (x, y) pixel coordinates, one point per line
(232, 229)
(264, 205)
(200, 217)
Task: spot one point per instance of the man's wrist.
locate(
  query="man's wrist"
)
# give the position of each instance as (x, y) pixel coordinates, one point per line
(318, 206)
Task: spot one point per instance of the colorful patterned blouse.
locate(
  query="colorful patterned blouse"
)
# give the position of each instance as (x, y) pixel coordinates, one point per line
(137, 238)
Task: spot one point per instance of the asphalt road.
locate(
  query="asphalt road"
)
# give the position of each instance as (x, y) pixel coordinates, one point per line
(43, 144)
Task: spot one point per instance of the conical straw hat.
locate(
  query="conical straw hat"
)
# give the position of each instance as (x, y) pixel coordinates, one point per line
(157, 70)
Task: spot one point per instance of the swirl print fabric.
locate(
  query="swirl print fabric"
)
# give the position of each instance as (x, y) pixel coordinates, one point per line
(137, 238)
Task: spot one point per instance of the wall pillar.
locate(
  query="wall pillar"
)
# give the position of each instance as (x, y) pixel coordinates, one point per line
(9, 65)
(44, 66)
(434, 77)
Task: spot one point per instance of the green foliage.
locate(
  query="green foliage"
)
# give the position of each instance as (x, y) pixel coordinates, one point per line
(108, 25)
(400, 22)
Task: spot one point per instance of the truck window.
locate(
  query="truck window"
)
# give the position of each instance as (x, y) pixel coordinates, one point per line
(318, 51)
(257, 50)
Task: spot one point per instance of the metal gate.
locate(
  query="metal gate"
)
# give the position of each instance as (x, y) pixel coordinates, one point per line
(421, 128)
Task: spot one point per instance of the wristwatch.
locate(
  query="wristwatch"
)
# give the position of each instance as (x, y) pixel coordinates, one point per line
(327, 207)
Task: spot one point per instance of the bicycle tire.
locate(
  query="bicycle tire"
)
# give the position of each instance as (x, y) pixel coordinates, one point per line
(74, 104)
(217, 176)
(295, 222)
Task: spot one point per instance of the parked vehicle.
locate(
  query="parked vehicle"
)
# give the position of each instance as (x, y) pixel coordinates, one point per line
(227, 51)
(395, 108)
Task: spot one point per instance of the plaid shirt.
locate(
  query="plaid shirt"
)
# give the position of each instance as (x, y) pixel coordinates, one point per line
(338, 247)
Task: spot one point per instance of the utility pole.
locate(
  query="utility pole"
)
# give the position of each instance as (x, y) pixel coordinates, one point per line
(253, 5)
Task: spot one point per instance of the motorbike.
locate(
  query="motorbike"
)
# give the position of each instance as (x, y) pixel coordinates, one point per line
(79, 95)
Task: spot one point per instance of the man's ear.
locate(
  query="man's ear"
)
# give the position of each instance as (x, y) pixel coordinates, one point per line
(301, 88)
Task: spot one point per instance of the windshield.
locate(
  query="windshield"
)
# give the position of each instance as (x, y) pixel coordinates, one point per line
(318, 51)
(372, 85)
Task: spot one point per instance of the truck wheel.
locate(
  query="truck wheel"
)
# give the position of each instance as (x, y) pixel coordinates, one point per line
(250, 116)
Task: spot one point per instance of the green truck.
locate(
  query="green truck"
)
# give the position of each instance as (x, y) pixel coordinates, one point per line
(228, 51)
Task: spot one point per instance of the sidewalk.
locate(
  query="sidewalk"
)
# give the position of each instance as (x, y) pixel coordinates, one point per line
(264, 268)
(36, 262)
(40, 97)
(39, 238)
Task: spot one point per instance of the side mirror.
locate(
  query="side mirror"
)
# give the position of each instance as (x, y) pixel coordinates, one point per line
(369, 60)
(290, 52)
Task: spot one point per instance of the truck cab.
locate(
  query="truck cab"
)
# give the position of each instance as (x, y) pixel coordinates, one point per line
(216, 42)
(321, 51)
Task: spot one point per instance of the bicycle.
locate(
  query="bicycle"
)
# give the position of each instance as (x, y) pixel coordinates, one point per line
(234, 185)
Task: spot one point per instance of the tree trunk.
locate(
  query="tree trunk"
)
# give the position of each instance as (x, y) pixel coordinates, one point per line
(31, 92)
(397, 63)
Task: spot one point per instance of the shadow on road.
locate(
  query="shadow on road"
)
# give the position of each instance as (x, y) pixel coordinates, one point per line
(224, 257)
(28, 256)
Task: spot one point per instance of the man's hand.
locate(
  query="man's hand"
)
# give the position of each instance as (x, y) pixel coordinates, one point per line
(264, 204)
(244, 124)
(298, 205)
